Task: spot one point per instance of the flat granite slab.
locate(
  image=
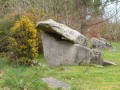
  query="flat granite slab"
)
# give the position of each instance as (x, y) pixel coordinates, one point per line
(52, 82)
(50, 26)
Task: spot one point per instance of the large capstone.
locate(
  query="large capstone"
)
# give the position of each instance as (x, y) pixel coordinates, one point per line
(61, 52)
(62, 31)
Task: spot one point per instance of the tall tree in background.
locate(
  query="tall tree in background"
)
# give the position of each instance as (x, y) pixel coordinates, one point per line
(77, 14)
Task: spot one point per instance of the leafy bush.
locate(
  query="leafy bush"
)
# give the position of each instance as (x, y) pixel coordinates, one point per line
(5, 26)
(36, 15)
(23, 36)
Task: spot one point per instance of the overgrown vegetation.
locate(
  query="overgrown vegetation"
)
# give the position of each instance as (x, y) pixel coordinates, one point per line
(79, 77)
(86, 16)
(23, 41)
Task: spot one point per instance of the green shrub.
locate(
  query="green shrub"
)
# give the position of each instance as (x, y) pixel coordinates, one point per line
(35, 15)
(23, 36)
(5, 26)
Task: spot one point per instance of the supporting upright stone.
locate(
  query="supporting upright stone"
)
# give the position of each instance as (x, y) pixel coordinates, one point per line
(59, 52)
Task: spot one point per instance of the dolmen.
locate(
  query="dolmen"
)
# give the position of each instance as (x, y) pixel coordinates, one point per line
(63, 45)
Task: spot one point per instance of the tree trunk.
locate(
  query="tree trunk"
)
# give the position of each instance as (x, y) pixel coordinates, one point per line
(82, 5)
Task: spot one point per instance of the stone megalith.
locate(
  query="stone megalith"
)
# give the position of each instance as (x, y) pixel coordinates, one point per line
(62, 45)
(61, 52)
(62, 30)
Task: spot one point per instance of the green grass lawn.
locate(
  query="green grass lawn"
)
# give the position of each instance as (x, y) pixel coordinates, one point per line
(78, 77)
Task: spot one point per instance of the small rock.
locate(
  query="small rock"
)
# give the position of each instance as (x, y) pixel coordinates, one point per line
(105, 63)
(100, 43)
(96, 59)
(107, 43)
(56, 83)
(113, 49)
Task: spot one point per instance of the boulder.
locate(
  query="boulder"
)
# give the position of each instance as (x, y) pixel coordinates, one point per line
(107, 43)
(96, 57)
(99, 44)
(83, 55)
(62, 31)
(52, 82)
(103, 39)
(105, 63)
(61, 52)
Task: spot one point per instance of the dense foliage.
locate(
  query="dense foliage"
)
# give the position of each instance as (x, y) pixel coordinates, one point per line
(23, 40)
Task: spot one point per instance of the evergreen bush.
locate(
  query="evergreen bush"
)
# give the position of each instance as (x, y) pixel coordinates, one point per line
(23, 38)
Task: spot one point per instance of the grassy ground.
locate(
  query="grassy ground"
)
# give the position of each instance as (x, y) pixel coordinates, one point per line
(78, 77)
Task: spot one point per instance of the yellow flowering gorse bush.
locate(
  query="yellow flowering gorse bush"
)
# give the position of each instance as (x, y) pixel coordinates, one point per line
(25, 36)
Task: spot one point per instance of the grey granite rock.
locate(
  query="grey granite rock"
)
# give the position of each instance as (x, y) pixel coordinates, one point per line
(96, 57)
(58, 29)
(99, 44)
(59, 52)
(52, 82)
